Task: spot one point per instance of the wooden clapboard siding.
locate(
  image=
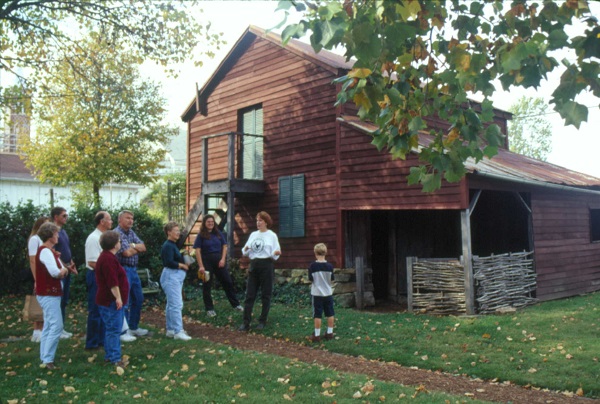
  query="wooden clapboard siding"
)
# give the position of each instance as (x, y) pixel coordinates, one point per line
(567, 263)
(370, 179)
(299, 128)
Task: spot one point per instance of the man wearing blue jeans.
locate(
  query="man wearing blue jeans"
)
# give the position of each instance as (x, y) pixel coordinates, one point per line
(131, 247)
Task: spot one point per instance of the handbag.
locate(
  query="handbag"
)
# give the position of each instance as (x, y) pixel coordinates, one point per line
(32, 311)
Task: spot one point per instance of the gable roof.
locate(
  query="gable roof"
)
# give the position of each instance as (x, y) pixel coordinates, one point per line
(325, 59)
(506, 165)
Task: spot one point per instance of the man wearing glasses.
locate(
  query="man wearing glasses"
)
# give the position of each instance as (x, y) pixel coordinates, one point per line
(59, 216)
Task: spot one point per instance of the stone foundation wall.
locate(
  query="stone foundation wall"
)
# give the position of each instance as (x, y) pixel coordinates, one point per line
(344, 286)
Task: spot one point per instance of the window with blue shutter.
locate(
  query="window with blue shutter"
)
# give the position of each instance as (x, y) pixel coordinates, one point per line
(291, 206)
(252, 146)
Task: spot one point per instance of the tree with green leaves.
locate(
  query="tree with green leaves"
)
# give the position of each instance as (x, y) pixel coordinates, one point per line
(529, 132)
(35, 33)
(168, 190)
(422, 58)
(106, 125)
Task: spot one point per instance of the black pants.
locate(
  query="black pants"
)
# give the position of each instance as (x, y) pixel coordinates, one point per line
(260, 275)
(211, 264)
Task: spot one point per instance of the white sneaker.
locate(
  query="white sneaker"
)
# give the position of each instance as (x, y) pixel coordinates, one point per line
(37, 336)
(127, 337)
(140, 332)
(211, 313)
(170, 334)
(182, 335)
(65, 335)
(239, 308)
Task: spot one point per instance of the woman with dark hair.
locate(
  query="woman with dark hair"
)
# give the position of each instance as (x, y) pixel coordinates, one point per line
(263, 249)
(48, 289)
(171, 280)
(112, 295)
(33, 244)
(211, 253)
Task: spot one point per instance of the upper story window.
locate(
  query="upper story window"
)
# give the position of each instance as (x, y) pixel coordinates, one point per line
(251, 123)
(595, 225)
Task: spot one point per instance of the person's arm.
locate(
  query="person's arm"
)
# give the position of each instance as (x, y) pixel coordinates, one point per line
(276, 247)
(117, 294)
(199, 259)
(310, 273)
(246, 249)
(169, 255)
(47, 258)
(32, 265)
(223, 256)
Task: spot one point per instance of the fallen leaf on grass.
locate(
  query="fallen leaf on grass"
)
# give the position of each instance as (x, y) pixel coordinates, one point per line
(69, 389)
(326, 384)
(120, 371)
(287, 397)
(579, 392)
(326, 393)
(137, 396)
(532, 370)
(486, 335)
(357, 395)
(569, 356)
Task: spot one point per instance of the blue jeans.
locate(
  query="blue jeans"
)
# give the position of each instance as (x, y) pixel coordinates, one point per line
(171, 281)
(133, 309)
(53, 327)
(66, 285)
(94, 336)
(113, 322)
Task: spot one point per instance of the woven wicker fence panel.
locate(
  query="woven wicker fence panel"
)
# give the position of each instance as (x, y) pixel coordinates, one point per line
(504, 281)
(438, 286)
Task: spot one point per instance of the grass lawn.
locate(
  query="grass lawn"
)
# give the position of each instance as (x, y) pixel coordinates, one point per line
(162, 369)
(553, 345)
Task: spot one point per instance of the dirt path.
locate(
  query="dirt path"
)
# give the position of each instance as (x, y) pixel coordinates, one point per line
(387, 371)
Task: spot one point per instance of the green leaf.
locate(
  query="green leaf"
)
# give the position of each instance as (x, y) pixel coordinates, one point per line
(431, 182)
(493, 135)
(416, 124)
(573, 113)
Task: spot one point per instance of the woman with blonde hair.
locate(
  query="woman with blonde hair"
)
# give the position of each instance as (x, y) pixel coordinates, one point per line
(33, 244)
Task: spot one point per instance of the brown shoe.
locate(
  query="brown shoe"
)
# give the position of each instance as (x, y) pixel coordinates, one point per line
(314, 338)
(329, 337)
(52, 366)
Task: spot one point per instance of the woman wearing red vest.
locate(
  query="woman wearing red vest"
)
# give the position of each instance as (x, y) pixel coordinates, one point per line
(48, 289)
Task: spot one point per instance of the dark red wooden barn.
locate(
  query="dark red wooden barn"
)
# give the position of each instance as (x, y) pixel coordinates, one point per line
(264, 134)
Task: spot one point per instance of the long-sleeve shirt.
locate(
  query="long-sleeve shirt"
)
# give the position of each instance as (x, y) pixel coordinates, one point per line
(171, 257)
(47, 267)
(109, 273)
(262, 245)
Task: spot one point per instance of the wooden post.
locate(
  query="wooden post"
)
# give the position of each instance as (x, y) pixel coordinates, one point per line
(204, 161)
(409, 282)
(231, 156)
(467, 261)
(360, 282)
(230, 194)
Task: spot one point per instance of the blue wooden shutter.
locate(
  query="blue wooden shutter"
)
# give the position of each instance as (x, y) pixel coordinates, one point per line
(252, 123)
(291, 206)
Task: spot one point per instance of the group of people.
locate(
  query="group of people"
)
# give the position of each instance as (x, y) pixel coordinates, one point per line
(114, 288)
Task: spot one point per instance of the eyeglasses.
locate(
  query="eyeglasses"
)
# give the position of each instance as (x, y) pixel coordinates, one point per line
(65, 215)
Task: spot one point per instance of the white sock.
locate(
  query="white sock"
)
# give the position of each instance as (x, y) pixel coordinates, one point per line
(317, 332)
(36, 332)
(329, 330)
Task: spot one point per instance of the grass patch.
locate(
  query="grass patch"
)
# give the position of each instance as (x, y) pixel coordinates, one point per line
(162, 369)
(552, 345)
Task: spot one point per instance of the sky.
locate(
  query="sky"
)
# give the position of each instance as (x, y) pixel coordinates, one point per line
(578, 150)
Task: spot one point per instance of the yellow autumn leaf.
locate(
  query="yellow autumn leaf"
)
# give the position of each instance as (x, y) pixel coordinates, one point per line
(359, 73)
(486, 335)
(185, 368)
(287, 397)
(120, 371)
(326, 384)
(579, 392)
(463, 61)
(137, 396)
(357, 395)
(69, 389)
(361, 100)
